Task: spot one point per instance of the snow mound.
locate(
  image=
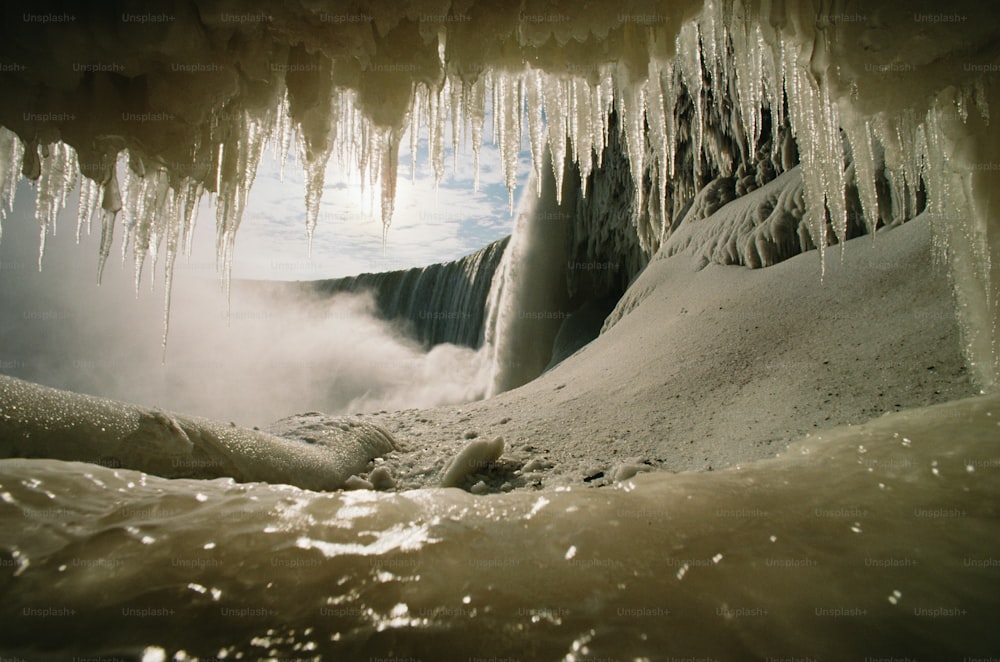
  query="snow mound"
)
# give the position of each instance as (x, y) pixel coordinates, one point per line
(759, 229)
(41, 422)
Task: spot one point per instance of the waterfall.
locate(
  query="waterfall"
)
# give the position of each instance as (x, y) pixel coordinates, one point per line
(439, 303)
(529, 300)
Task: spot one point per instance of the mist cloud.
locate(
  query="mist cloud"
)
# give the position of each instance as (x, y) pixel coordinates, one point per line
(271, 354)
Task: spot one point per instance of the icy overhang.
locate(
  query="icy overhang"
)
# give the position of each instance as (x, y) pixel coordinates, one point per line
(193, 91)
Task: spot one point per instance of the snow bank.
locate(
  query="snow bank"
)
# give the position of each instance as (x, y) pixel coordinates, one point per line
(757, 230)
(717, 367)
(40, 422)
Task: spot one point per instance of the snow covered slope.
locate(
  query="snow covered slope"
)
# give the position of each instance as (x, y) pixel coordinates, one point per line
(717, 366)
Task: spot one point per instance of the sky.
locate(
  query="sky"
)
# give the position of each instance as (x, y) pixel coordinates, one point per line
(428, 225)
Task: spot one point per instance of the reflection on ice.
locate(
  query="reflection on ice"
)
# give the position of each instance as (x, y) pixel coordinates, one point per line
(400, 537)
(828, 552)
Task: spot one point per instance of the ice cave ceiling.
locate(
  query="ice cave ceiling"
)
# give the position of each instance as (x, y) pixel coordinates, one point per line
(159, 103)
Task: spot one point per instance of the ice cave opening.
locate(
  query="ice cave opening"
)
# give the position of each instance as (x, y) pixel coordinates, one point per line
(679, 456)
(885, 109)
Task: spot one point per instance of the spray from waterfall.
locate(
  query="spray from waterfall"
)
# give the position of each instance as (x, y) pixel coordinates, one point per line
(528, 299)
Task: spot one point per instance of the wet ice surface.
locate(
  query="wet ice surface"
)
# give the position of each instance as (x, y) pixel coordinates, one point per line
(875, 540)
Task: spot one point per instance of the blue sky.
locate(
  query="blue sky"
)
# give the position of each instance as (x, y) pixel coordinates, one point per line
(428, 225)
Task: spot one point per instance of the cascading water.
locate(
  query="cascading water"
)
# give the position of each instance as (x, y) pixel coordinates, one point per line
(528, 300)
(440, 303)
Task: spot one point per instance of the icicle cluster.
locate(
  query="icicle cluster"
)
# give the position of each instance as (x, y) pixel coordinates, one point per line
(774, 59)
(11, 155)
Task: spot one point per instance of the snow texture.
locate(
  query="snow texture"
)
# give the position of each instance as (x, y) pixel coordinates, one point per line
(760, 229)
(783, 354)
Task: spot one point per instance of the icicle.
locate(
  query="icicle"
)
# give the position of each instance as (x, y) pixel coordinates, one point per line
(57, 177)
(418, 96)
(145, 203)
(457, 91)
(962, 234)
(906, 131)
(314, 157)
(556, 118)
(131, 203)
(670, 95)
(168, 285)
(690, 67)
(831, 160)
(107, 238)
(748, 50)
(632, 113)
(535, 102)
(162, 202)
(603, 100)
(314, 191)
(389, 160)
(859, 136)
(508, 104)
(476, 110)
(191, 206)
(218, 168)
(713, 45)
(435, 141)
(11, 156)
(111, 204)
(804, 116)
(581, 99)
(236, 175)
(181, 204)
(89, 197)
(283, 132)
(656, 116)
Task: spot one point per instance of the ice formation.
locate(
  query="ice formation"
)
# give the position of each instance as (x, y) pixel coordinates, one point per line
(891, 100)
(472, 459)
(759, 229)
(36, 421)
(767, 561)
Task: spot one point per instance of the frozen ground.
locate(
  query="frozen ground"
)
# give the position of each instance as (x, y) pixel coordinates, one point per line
(707, 369)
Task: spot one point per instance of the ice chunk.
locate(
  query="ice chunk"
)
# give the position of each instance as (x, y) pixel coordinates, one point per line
(475, 457)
